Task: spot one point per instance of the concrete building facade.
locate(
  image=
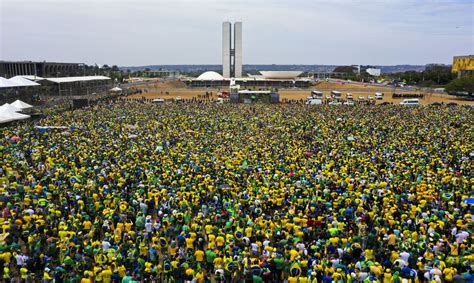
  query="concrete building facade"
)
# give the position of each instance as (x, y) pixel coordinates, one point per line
(226, 49)
(238, 49)
(9, 69)
(232, 55)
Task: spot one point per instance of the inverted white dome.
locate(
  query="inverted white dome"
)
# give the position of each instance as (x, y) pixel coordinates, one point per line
(210, 76)
(280, 74)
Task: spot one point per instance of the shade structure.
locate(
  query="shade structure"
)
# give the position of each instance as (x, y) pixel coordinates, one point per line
(5, 83)
(21, 105)
(21, 81)
(5, 119)
(115, 89)
(8, 114)
(77, 79)
(9, 107)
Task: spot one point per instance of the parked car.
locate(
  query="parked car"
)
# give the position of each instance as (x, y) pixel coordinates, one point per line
(410, 101)
(314, 101)
(378, 95)
(158, 101)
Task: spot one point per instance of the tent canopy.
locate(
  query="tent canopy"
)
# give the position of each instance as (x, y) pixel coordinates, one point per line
(21, 105)
(21, 81)
(7, 114)
(4, 83)
(9, 108)
(5, 119)
(115, 89)
(77, 79)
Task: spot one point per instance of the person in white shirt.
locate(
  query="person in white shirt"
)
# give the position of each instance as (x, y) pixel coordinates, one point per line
(461, 236)
(405, 256)
(105, 245)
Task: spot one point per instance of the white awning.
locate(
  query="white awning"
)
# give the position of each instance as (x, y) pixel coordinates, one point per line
(7, 115)
(9, 107)
(21, 105)
(4, 83)
(115, 89)
(77, 79)
(22, 81)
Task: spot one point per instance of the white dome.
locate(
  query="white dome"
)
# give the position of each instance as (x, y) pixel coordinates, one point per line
(210, 76)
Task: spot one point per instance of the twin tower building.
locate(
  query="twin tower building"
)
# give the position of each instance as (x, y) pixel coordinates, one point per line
(232, 54)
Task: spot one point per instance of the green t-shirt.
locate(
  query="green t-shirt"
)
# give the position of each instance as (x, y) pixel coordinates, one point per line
(279, 263)
(257, 279)
(210, 256)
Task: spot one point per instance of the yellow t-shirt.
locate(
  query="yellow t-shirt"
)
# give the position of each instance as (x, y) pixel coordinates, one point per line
(189, 243)
(220, 241)
(199, 256)
(106, 275)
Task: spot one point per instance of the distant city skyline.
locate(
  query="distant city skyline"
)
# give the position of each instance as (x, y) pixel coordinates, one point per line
(137, 33)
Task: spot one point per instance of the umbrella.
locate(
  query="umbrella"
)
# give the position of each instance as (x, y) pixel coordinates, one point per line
(468, 201)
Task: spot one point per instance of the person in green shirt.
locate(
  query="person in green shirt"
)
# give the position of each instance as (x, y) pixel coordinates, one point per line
(210, 256)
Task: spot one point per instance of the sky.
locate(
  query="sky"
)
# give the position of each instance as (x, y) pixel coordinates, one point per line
(147, 32)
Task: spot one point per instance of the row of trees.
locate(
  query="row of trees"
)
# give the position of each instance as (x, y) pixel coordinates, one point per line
(461, 86)
(427, 78)
(439, 75)
(110, 71)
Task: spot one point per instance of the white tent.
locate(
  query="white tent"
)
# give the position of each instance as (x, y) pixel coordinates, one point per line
(5, 118)
(4, 83)
(77, 79)
(21, 105)
(23, 82)
(8, 115)
(115, 89)
(9, 107)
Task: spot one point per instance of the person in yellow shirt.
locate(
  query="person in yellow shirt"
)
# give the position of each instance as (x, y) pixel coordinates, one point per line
(293, 254)
(448, 273)
(106, 275)
(189, 244)
(87, 224)
(199, 276)
(220, 241)
(122, 271)
(199, 255)
(86, 278)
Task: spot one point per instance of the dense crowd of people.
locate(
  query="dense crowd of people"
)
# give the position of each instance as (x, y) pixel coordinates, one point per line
(131, 192)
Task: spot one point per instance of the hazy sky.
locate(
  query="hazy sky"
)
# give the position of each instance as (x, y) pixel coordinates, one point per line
(144, 32)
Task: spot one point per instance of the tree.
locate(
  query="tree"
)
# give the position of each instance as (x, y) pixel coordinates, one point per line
(461, 86)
